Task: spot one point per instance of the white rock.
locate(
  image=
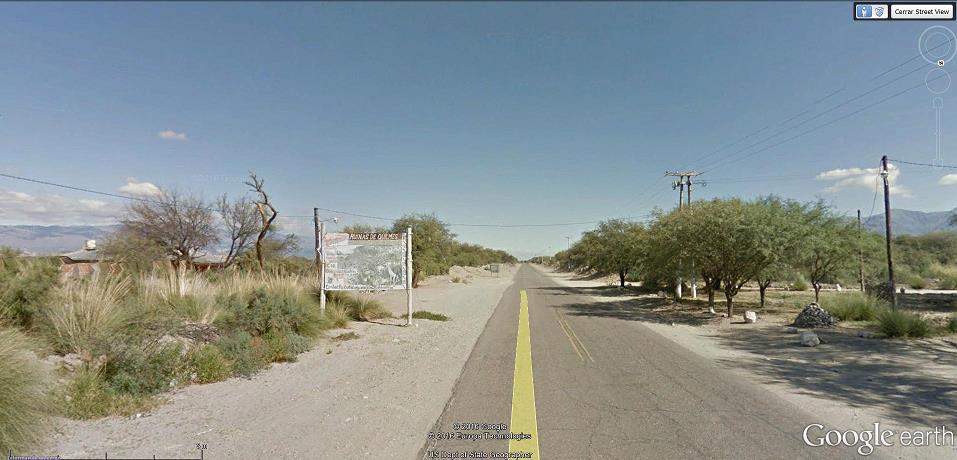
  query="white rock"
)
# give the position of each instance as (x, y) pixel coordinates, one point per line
(810, 339)
(750, 317)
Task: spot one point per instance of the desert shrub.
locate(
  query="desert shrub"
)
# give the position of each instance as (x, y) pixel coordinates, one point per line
(283, 346)
(947, 274)
(336, 317)
(910, 277)
(853, 306)
(918, 282)
(800, 284)
(424, 314)
(899, 323)
(209, 363)
(89, 396)
(145, 371)
(23, 405)
(948, 283)
(245, 352)
(199, 309)
(281, 309)
(25, 286)
(366, 309)
(340, 298)
(84, 313)
(952, 324)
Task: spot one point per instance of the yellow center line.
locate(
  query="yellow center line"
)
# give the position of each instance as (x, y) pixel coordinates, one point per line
(524, 419)
(561, 324)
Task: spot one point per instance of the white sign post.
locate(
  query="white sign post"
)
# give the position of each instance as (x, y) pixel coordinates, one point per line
(408, 270)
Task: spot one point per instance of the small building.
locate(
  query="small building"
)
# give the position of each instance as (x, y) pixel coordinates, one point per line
(86, 261)
(204, 262)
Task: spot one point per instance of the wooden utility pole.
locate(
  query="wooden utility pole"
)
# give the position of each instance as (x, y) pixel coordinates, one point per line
(885, 172)
(860, 247)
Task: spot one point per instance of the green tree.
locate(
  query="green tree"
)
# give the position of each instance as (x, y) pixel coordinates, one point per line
(431, 241)
(778, 238)
(134, 253)
(829, 245)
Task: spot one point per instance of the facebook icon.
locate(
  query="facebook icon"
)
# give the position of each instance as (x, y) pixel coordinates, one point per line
(863, 11)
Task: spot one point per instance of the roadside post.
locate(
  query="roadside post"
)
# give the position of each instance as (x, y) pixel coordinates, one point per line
(408, 271)
(318, 228)
(322, 269)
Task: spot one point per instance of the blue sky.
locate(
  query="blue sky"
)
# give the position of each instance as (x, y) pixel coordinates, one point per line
(486, 113)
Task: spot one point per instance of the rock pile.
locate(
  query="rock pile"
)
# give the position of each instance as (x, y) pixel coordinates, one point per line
(814, 316)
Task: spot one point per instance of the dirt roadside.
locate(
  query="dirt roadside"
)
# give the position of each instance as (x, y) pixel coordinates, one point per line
(376, 396)
(850, 382)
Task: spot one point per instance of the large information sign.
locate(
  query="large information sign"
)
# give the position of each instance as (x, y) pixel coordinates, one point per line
(365, 261)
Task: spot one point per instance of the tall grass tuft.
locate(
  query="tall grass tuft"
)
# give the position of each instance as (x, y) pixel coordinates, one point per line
(899, 323)
(83, 313)
(366, 309)
(23, 405)
(853, 306)
(336, 317)
(187, 294)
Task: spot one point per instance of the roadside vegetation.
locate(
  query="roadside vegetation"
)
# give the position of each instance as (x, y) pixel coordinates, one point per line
(773, 245)
(154, 321)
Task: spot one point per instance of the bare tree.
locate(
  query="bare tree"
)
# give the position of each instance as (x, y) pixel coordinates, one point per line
(182, 225)
(239, 217)
(267, 214)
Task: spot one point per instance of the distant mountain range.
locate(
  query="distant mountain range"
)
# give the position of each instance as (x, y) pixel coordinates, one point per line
(56, 239)
(52, 239)
(906, 222)
(59, 239)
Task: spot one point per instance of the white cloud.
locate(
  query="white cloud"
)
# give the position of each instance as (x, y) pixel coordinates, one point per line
(136, 188)
(866, 178)
(23, 208)
(169, 134)
(950, 179)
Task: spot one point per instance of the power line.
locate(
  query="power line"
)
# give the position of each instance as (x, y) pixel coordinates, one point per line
(334, 211)
(923, 164)
(848, 115)
(710, 164)
(808, 109)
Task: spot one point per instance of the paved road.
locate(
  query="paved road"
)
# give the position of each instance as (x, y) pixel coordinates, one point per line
(606, 387)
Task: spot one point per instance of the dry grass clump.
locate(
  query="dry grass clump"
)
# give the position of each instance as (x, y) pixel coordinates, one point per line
(83, 313)
(23, 404)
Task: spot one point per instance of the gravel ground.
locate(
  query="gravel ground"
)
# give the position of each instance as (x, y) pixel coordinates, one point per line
(376, 396)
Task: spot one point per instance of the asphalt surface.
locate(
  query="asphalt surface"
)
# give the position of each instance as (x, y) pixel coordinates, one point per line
(606, 387)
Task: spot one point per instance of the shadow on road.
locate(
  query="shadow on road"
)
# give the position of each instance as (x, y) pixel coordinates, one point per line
(885, 374)
(627, 306)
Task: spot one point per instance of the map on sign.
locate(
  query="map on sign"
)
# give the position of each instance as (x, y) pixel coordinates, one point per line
(364, 261)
